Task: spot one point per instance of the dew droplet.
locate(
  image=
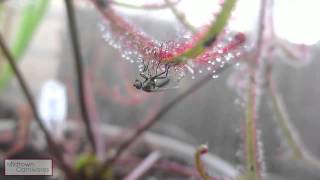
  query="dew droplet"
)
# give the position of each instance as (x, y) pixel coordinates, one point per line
(215, 76)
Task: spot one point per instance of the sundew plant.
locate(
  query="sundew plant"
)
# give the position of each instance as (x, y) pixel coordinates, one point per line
(242, 42)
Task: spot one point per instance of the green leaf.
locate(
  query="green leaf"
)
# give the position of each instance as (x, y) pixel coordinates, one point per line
(30, 19)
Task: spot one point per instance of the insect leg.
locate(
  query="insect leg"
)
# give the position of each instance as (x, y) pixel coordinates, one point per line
(166, 71)
(158, 65)
(146, 68)
(144, 76)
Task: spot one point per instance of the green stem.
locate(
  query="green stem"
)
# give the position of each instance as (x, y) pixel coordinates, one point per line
(288, 129)
(252, 163)
(284, 123)
(253, 169)
(31, 16)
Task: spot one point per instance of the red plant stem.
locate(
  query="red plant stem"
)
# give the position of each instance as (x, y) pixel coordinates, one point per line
(260, 36)
(80, 72)
(144, 166)
(22, 133)
(52, 146)
(253, 162)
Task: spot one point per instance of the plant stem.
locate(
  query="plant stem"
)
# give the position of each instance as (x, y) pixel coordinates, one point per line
(53, 148)
(284, 122)
(253, 164)
(252, 154)
(288, 129)
(79, 71)
(144, 166)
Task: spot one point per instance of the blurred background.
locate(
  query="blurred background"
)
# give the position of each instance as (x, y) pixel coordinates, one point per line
(214, 114)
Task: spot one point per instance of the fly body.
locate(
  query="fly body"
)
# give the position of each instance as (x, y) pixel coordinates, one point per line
(153, 82)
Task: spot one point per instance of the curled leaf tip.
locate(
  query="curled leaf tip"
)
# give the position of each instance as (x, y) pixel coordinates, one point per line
(202, 149)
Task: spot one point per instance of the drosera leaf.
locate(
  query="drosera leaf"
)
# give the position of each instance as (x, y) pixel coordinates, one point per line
(31, 17)
(211, 35)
